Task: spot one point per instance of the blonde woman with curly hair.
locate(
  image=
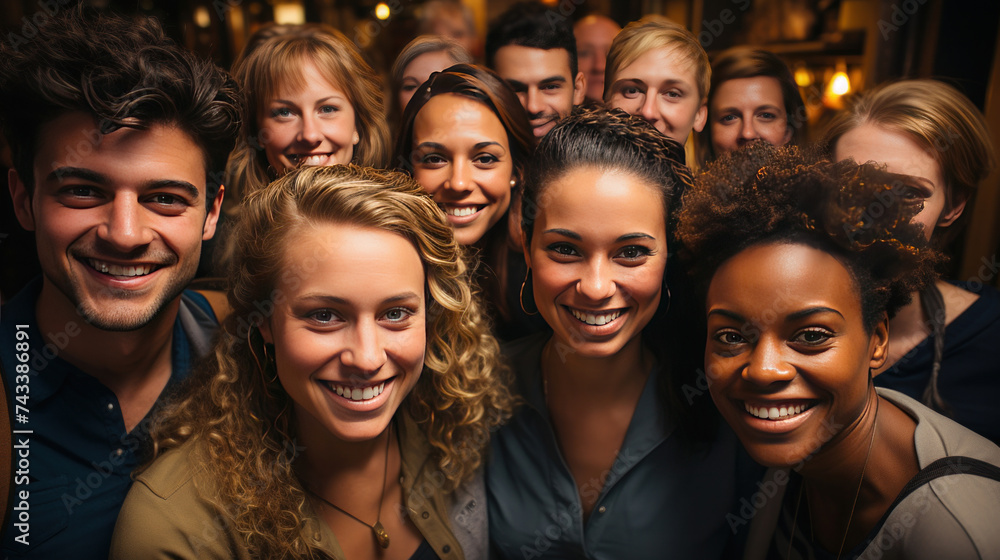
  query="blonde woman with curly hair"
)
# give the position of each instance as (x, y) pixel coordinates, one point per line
(347, 409)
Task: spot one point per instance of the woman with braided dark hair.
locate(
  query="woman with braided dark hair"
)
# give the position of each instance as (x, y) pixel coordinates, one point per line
(596, 461)
(803, 268)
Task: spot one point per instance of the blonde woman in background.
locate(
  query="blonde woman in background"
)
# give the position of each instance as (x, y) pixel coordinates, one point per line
(657, 69)
(941, 345)
(311, 99)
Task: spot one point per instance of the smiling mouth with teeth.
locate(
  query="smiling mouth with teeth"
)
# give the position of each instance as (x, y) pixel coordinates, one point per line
(461, 211)
(596, 318)
(308, 159)
(119, 270)
(782, 412)
(356, 393)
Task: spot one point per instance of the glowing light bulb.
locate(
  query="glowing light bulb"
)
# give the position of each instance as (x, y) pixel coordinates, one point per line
(841, 84)
(382, 11)
(803, 78)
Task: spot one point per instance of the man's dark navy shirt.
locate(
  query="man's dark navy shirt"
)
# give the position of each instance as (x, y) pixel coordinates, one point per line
(79, 456)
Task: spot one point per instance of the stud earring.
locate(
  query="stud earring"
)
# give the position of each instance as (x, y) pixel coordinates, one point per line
(513, 183)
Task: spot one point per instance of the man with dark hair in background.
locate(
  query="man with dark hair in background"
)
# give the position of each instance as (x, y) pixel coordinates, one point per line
(533, 48)
(118, 139)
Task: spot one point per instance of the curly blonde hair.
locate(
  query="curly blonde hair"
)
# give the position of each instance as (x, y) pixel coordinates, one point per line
(240, 418)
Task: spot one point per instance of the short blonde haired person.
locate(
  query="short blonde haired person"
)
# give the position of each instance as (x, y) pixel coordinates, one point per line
(233, 452)
(940, 119)
(655, 32)
(658, 70)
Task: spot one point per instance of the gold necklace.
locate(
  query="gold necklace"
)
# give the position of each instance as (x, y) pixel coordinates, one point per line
(854, 504)
(381, 536)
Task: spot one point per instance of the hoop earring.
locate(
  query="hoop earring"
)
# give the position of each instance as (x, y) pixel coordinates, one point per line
(268, 359)
(667, 308)
(531, 295)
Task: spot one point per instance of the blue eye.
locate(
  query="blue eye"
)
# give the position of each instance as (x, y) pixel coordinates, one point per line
(398, 314)
(281, 112)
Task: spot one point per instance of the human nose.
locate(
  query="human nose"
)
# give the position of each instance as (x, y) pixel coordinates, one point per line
(596, 283)
(124, 229)
(534, 104)
(599, 62)
(461, 177)
(366, 350)
(648, 110)
(748, 131)
(310, 132)
(767, 363)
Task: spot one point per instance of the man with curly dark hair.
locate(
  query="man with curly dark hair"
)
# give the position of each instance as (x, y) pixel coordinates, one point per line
(119, 138)
(804, 265)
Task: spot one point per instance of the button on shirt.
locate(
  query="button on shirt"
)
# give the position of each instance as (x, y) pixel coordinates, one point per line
(658, 500)
(80, 456)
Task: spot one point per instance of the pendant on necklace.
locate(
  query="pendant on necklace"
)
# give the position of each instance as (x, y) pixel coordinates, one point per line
(380, 535)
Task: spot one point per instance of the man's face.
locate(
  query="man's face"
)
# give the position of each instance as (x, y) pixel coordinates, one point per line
(118, 218)
(543, 82)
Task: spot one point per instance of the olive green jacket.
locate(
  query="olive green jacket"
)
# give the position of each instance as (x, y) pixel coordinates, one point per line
(166, 513)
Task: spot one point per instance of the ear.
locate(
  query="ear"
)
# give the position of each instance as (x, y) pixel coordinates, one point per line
(21, 197)
(879, 344)
(949, 216)
(212, 219)
(700, 118)
(579, 88)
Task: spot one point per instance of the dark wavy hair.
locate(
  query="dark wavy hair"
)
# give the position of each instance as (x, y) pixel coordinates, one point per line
(483, 86)
(125, 73)
(856, 213)
(535, 25)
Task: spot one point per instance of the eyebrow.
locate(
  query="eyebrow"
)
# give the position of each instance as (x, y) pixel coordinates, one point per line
(574, 235)
(341, 301)
(103, 180)
(478, 146)
(813, 311)
(553, 79)
(767, 106)
(635, 81)
(791, 316)
(324, 100)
